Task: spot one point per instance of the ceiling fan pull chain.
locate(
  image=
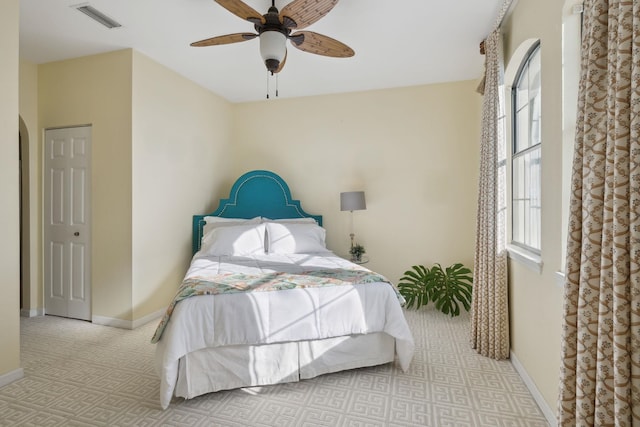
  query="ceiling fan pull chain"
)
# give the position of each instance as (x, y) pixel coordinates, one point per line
(267, 84)
(277, 85)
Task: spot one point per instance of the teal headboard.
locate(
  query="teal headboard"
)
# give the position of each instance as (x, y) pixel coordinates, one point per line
(256, 193)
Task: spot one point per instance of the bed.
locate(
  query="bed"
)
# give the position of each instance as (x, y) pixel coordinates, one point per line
(265, 302)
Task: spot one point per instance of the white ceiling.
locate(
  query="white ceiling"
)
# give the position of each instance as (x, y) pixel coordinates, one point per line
(397, 43)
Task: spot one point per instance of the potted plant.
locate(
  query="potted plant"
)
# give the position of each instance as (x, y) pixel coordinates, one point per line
(356, 252)
(447, 288)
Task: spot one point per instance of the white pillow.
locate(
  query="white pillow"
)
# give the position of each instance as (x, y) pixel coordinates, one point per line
(285, 238)
(299, 220)
(212, 222)
(305, 220)
(219, 220)
(237, 240)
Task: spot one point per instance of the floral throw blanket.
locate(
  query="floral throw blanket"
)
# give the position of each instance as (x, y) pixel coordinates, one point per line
(240, 282)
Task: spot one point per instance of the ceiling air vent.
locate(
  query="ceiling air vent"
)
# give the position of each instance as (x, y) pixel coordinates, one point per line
(98, 16)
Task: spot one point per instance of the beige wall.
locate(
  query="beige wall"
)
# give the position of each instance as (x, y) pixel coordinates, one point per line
(181, 153)
(9, 210)
(536, 298)
(397, 145)
(160, 143)
(96, 90)
(414, 151)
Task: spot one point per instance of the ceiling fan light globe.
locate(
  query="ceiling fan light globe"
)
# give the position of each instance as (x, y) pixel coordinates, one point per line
(272, 48)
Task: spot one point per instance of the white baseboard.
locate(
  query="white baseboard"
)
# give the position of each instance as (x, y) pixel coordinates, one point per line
(127, 324)
(548, 413)
(149, 318)
(33, 312)
(11, 376)
(113, 322)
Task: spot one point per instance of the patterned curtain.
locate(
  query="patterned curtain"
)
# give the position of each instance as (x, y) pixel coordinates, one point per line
(600, 375)
(489, 310)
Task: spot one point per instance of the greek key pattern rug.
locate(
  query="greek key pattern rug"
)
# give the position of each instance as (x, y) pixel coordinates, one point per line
(80, 374)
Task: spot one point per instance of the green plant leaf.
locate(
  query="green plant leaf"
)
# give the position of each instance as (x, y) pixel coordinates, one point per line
(412, 286)
(447, 288)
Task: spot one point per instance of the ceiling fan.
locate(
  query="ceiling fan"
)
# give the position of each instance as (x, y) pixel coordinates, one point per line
(274, 28)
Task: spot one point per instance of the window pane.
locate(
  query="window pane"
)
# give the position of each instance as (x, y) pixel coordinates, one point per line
(519, 200)
(522, 129)
(534, 68)
(522, 91)
(535, 199)
(536, 138)
(526, 198)
(534, 97)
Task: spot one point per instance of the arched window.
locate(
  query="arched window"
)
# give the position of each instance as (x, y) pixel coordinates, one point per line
(526, 153)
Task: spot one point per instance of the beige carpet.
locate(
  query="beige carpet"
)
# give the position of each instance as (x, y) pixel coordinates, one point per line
(80, 374)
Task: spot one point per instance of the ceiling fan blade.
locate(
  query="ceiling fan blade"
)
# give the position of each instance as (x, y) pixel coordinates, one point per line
(319, 44)
(227, 39)
(242, 10)
(305, 12)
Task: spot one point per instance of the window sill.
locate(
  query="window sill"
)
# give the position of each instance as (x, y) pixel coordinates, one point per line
(529, 259)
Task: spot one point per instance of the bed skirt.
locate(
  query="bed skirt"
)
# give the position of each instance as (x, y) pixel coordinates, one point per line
(224, 368)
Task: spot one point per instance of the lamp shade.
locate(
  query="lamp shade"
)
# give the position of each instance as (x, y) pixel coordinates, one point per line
(352, 201)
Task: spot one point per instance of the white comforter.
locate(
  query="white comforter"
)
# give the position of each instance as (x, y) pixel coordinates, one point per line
(278, 316)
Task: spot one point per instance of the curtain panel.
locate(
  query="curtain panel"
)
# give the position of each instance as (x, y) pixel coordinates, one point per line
(600, 372)
(489, 309)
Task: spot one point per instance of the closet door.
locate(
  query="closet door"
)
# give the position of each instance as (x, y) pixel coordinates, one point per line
(67, 227)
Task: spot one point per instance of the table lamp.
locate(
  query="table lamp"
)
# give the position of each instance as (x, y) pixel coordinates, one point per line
(352, 201)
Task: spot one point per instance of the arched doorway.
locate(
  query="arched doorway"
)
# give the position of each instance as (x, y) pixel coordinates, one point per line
(25, 223)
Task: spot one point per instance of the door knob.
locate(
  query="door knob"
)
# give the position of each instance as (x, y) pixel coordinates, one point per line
(77, 233)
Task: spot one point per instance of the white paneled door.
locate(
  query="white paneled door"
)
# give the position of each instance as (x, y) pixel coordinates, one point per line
(67, 227)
